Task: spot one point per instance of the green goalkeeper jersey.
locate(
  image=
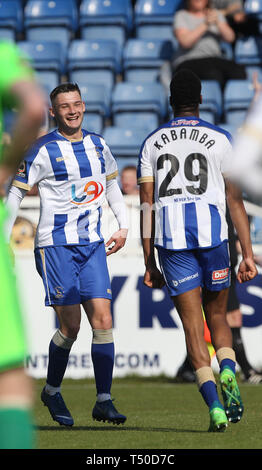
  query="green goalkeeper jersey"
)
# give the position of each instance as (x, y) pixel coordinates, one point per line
(13, 68)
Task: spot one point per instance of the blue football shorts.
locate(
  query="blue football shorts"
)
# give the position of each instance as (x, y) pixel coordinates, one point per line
(204, 267)
(72, 274)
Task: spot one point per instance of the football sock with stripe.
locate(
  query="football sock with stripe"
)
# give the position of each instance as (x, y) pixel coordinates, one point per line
(207, 387)
(16, 428)
(59, 350)
(103, 355)
(226, 358)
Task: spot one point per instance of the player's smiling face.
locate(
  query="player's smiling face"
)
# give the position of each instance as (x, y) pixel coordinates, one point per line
(68, 110)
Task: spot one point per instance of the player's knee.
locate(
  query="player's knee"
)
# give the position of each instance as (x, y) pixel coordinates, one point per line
(70, 331)
(102, 336)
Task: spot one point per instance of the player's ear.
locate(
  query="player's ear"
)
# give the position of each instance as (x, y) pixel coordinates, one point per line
(51, 112)
(200, 99)
(84, 106)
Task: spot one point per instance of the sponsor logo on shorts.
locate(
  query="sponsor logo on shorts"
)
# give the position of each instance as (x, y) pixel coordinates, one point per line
(220, 275)
(184, 279)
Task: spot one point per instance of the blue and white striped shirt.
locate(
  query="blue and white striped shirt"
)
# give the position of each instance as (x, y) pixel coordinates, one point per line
(71, 178)
(186, 158)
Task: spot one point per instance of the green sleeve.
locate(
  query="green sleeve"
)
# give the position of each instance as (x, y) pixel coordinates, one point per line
(13, 67)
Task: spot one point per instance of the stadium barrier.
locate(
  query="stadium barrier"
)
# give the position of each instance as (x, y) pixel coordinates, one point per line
(148, 334)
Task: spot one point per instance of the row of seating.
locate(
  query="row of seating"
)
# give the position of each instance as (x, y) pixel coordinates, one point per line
(114, 18)
(137, 54)
(117, 18)
(145, 106)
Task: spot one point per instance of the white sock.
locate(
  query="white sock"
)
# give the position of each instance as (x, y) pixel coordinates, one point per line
(51, 390)
(103, 397)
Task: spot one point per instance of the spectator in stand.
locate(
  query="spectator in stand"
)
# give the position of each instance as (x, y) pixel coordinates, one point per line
(129, 180)
(199, 30)
(240, 22)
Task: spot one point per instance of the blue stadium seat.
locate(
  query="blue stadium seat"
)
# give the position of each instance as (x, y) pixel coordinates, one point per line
(253, 8)
(250, 70)
(124, 141)
(156, 11)
(147, 120)
(238, 95)
(143, 58)
(94, 76)
(7, 34)
(48, 80)
(96, 98)
(207, 116)
(154, 18)
(106, 19)
(53, 20)
(131, 96)
(113, 12)
(44, 55)
(248, 50)
(11, 15)
(93, 122)
(212, 99)
(99, 54)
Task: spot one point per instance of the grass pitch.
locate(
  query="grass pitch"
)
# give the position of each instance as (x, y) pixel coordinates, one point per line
(160, 414)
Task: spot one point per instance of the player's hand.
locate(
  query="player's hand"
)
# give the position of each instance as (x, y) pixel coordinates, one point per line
(153, 278)
(117, 240)
(247, 270)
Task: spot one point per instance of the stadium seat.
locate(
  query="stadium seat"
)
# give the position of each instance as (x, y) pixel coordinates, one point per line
(212, 99)
(93, 122)
(124, 141)
(253, 8)
(96, 98)
(207, 116)
(100, 53)
(248, 50)
(131, 96)
(11, 16)
(143, 58)
(53, 20)
(48, 80)
(238, 95)
(154, 18)
(94, 76)
(44, 55)
(147, 120)
(100, 19)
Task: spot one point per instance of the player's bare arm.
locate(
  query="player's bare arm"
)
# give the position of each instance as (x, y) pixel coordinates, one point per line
(153, 277)
(247, 269)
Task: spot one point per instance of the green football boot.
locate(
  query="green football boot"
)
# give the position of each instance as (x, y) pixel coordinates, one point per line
(218, 420)
(231, 395)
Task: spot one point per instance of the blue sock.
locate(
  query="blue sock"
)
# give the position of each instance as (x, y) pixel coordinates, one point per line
(58, 359)
(209, 392)
(103, 356)
(229, 364)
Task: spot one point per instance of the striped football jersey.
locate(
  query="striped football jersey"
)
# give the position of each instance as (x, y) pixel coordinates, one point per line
(186, 158)
(71, 178)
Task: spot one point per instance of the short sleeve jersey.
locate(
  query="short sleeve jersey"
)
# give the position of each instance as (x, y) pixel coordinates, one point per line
(187, 158)
(71, 178)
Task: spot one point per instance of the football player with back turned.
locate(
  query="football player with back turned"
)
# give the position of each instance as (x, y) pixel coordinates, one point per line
(183, 190)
